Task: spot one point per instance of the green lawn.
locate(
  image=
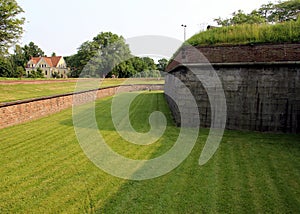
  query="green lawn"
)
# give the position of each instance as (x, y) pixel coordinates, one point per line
(44, 170)
(27, 91)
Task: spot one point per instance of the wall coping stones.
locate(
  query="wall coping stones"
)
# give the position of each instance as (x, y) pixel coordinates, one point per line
(235, 64)
(246, 53)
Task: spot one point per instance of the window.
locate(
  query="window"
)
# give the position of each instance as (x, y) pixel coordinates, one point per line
(46, 73)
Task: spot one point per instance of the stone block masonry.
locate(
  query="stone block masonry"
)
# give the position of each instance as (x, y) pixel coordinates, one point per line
(17, 112)
(261, 85)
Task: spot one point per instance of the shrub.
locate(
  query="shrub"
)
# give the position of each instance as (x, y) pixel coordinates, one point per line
(36, 74)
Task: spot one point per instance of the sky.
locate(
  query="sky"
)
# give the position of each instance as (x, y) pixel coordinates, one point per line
(61, 26)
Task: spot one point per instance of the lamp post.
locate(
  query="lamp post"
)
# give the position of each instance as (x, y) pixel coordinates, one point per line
(184, 30)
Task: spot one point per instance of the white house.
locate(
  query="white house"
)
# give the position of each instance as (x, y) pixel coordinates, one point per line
(49, 66)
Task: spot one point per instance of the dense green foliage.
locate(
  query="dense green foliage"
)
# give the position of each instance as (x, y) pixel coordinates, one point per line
(162, 64)
(44, 170)
(267, 13)
(38, 73)
(6, 69)
(108, 55)
(32, 50)
(13, 65)
(11, 29)
(136, 67)
(10, 24)
(99, 56)
(249, 33)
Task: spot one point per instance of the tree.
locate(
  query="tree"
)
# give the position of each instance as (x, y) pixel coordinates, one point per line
(285, 11)
(162, 64)
(6, 69)
(149, 64)
(267, 13)
(138, 64)
(18, 57)
(18, 62)
(14, 64)
(136, 67)
(32, 50)
(20, 71)
(240, 17)
(112, 50)
(10, 24)
(99, 56)
(124, 69)
(73, 62)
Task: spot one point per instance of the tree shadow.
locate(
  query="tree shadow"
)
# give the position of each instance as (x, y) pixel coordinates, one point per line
(169, 193)
(153, 195)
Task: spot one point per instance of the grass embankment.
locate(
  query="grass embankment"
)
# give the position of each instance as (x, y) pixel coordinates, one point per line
(247, 34)
(27, 91)
(44, 170)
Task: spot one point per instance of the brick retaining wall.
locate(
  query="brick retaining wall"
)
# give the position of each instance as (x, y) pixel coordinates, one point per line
(17, 112)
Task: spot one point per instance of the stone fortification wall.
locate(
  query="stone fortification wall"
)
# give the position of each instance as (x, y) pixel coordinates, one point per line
(261, 85)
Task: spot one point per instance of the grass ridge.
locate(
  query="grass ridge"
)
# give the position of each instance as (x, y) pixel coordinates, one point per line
(286, 32)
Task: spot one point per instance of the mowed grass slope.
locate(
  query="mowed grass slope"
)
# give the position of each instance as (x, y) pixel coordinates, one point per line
(44, 170)
(28, 91)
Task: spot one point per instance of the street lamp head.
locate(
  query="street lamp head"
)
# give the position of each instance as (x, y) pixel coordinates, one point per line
(184, 30)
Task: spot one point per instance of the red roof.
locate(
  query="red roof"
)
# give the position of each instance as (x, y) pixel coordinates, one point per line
(48, 61)
(35, 60)
(55, 60)
(51, 61)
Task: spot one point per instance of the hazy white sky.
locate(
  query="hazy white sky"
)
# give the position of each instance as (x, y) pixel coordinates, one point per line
(61, 26)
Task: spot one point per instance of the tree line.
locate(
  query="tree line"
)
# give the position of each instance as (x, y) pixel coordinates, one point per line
(107, 55)
(13, 65)
(267, 13)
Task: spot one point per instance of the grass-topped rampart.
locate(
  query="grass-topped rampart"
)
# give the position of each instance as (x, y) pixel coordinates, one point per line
(249, 34)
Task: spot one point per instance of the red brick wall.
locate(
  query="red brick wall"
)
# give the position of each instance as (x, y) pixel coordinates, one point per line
(13, 113)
